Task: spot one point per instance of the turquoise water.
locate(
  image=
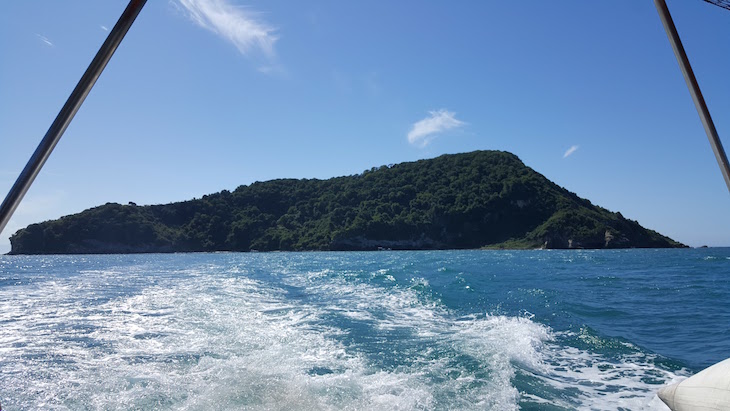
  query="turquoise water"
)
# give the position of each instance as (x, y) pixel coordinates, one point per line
(501, 330)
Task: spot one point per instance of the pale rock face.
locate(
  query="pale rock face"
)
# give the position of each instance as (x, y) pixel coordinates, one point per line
(609, 237)
(522, 203)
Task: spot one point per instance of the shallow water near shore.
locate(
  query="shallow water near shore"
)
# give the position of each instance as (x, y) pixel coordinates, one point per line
(412, 330)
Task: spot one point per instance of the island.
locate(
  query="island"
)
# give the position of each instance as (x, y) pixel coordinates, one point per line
(481, 199)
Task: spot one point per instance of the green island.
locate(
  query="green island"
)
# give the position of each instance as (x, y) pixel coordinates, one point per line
(482, 199)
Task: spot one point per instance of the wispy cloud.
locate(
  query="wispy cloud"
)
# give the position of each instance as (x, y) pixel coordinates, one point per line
(438, 121)
(272, 69)
(570, 151)
(105, 28)
(45, 40)
(236, 24)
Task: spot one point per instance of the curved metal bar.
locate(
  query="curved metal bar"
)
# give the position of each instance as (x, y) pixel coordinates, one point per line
(72, 105)
(694, 89)
(725, 4)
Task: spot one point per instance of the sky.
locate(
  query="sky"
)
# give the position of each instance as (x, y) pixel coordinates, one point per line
(206, 95)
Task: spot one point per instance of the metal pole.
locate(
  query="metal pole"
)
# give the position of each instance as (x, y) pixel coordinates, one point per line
(72, 105)
(694, 89)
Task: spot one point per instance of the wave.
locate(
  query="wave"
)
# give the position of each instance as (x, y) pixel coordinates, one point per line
(234, 337)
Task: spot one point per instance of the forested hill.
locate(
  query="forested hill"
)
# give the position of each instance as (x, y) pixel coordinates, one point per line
(471, 200)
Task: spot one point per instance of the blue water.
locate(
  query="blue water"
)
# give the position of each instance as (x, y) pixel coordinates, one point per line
(502, 330)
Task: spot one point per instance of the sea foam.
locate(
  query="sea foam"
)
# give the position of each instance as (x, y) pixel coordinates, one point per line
(248, 334)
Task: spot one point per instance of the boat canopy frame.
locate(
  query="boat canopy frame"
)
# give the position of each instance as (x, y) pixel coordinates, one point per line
(68, 111)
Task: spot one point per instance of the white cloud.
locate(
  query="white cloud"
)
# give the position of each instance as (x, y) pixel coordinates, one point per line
(271, 69)
(233, 23)
(105, 28)
(44, 39)
(423, 131)
(570, 151)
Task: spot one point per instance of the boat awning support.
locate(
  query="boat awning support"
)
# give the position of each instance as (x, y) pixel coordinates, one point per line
(694, 89)
(68, 111)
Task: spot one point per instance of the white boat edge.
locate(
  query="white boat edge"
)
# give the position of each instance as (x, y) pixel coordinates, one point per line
(708, 390)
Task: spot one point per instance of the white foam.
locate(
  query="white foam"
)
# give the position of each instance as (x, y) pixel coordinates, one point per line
(216, 338)
(606, 384)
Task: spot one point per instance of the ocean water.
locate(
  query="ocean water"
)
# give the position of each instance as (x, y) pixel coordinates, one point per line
(415, 330)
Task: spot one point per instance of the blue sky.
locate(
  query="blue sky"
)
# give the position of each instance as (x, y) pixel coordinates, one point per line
(205, 95)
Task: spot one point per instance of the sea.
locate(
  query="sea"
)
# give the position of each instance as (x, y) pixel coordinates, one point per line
(386, 330)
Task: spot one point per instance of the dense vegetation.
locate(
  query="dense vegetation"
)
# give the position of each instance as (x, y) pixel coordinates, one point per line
(479, 199)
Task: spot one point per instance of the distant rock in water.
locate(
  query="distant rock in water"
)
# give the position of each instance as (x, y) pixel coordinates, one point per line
(472, 200)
